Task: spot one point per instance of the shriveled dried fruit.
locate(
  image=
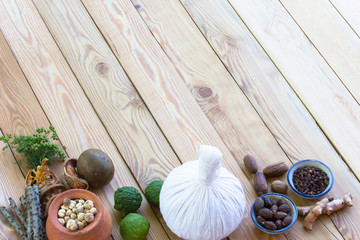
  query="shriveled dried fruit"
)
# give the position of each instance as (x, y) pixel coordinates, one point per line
(260, 220)
(279, 186)
(280, 202)
(260, 184)
(267, 201)
(278, 224)
(258, 204)
(276, 169)
(284, 208)
(250, 164)
(287, 221)
(270, 225)
(266, 213)
(280, 215)
(274, 208)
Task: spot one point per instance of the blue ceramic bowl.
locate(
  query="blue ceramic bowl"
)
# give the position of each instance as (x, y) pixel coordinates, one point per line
(276, 196)
(312, 163)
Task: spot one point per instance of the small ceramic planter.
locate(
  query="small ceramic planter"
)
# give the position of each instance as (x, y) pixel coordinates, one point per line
(100, 228)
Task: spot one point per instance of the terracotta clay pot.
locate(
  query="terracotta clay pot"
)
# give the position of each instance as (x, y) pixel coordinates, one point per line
(99, 229)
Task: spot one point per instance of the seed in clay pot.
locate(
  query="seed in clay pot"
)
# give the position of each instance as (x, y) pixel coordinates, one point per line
(280, 215)
(281, 202)
(279, 186)
(284, 208)
(267, 202)
(258, 204)
(260, 184)
(250, 164)
(260, 220)
(274, 208)
(278, 224)
(266, 213)
(270, 225)
(287, 221)
(276, 169)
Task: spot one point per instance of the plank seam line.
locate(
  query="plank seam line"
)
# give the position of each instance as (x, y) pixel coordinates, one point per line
(332, 143)
(312, 43)
(26, 78)
(301, 102)
(344, 18)
(96, 112)
(12, 153)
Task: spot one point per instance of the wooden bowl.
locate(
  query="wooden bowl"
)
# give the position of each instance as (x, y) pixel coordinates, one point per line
(100, 228)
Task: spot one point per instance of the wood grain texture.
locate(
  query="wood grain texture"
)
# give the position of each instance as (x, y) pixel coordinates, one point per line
(349, 10)
(218, 95)
(116, 101)
(279, 107)
(12, 185)
(333, 108)
(63, 100)
(174, 108)
(109, 90)
(332, 36)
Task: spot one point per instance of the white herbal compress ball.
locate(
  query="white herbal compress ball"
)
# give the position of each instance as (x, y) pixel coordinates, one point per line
(202, 200)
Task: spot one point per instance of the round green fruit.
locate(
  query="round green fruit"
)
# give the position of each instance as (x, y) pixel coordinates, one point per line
(134, 227)
(152, 192)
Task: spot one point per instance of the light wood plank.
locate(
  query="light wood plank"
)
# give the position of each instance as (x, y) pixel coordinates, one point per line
(109, 90)
(12, 185)
(332, 36)
(333, 108)
(281, 110)
(158, 83)
(349, 9)
(66, 105)
(225, 105)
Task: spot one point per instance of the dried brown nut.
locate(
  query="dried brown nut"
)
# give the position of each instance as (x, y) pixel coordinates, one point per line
(266, 213)
(267, 201)
(281, 202)
(279, 186)
(279, 224)
(273, 201)
(287, 221)
(274, 208)
(280, 215)
(260, 220)
(250, 164)
(276, 169)
(258, 204)
(284, 208)
(270, 225)
(260, 184)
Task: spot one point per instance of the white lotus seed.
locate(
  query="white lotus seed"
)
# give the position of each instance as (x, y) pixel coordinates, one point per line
(93, 210)
(71, 225)
(81, 225)
(66, 218)
(79, 209)
(61, 221)
(89, 204)
(81, 216)
(61, 213)
(72, 205)
(82, 201)
(86, 210)
(89, 217)
(64, 207)
(68, 212)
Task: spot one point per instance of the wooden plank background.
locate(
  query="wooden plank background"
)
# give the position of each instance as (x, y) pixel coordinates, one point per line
(147, 81)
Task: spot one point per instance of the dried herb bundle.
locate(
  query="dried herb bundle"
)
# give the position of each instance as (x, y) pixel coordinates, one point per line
(27, 223)
(35, 147)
